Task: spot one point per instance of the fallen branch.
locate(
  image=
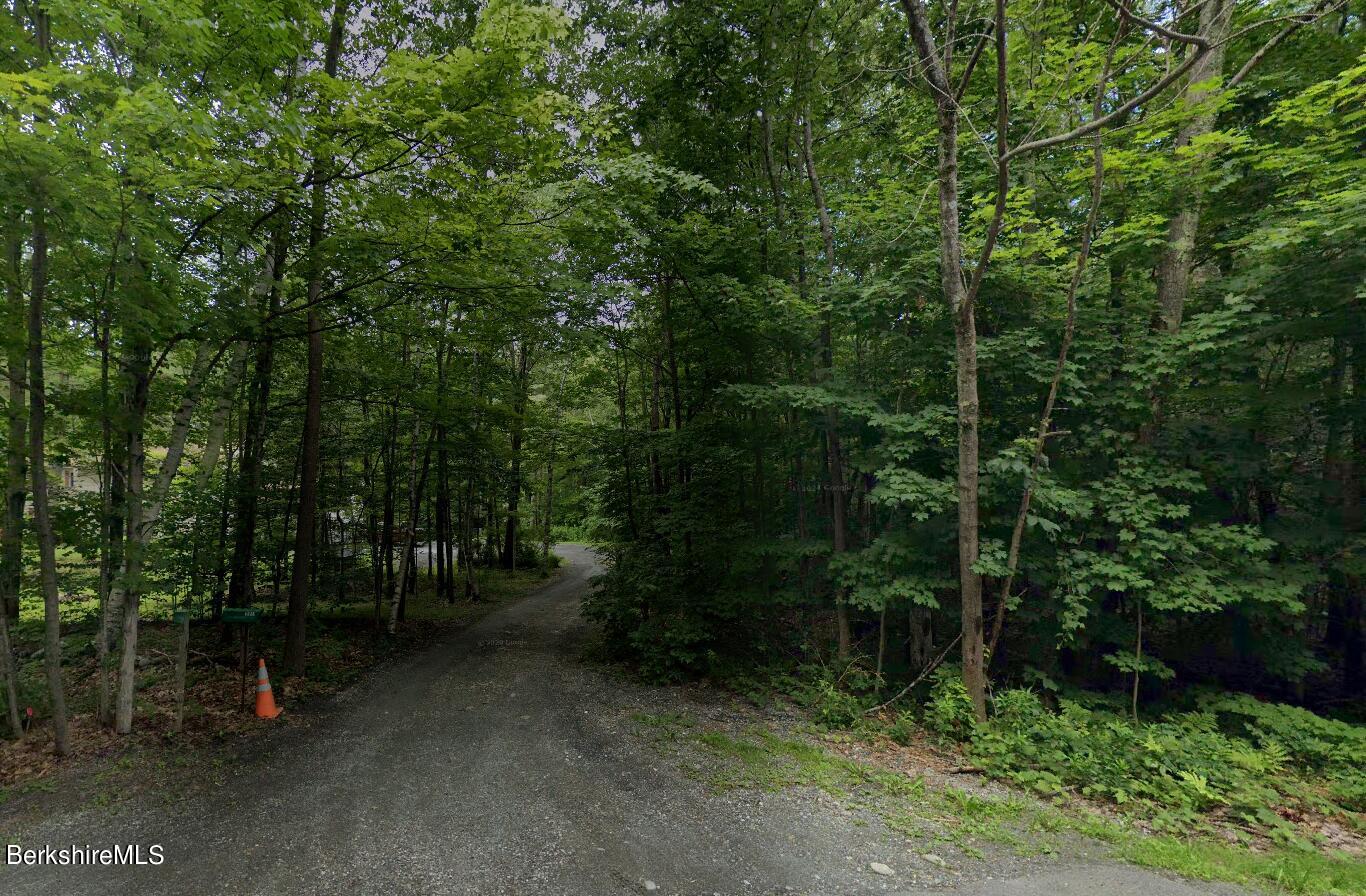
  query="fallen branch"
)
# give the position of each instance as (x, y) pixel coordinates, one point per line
(211, 660)
(919, 678)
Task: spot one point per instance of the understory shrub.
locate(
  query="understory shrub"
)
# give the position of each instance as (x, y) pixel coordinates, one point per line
(1225, 757)
(837, 699)
(1254, 763)
(676, 618)
(831, 704)
(948, 712)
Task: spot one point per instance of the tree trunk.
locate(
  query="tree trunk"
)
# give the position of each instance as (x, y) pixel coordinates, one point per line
(127, 590)
(515, 481)
(467, 542)
(42, 515)
(242, 579)
(656, 473)
(410, 530)
(671, 354)
(622, 371)
(548, 519)
(16, 467)
(221, 558)
(960, 300)
(920, 644)
(442, 534)
(969, 582)
(445, 575)
(213, 447)
(447, 516)
(11, 679)
(386, 540)
(1354, 584)
(218, 422)
(429, 534)
(145, 511)
(111, 524)
(17, 473)
(833, 450)
(369, 475)
(1178, 257)
(12, 538)
(467, 547)
(277, 568)
(16, 490)
(295, 629)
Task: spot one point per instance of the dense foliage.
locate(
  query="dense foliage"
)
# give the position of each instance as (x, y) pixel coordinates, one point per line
(287, 270)
(1259, 764)
(1166, 327)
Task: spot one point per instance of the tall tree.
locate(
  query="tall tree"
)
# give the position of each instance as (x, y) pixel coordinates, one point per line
(37, 426)
(521, 387)
(16, 470)
(308, 482)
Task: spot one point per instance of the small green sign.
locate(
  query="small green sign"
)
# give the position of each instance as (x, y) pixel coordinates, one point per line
(180, 617)
(243, 615)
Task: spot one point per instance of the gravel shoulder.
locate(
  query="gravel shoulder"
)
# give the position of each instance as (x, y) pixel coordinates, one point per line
(500, 763)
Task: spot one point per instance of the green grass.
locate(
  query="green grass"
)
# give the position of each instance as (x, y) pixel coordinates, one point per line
(40, 786)
(666, 728)
(1301, 872)
(765, 761)
(967, 821)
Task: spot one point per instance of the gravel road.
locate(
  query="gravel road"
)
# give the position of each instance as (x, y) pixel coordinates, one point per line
(499, 763)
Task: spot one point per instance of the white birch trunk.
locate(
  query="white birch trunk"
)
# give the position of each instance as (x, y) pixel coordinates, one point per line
(143, 514)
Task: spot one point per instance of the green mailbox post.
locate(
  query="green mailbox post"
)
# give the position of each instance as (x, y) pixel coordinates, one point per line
(241, 615)
(245, 618)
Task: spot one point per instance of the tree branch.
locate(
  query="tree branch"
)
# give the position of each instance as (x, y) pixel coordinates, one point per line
(1002, 161)
(1097, 124)
(1069, 330)
(1317, 12)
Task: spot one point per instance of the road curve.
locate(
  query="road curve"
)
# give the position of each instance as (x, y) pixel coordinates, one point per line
(497, 763)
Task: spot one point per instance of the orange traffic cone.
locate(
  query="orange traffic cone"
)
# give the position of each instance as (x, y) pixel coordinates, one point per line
(265, 700)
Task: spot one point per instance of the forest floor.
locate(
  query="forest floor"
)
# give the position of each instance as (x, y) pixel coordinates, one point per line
(499, 761)
(102, 766)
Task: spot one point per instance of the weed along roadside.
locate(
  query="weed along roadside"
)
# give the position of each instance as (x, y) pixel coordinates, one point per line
(952, 818)
(1225, 788)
